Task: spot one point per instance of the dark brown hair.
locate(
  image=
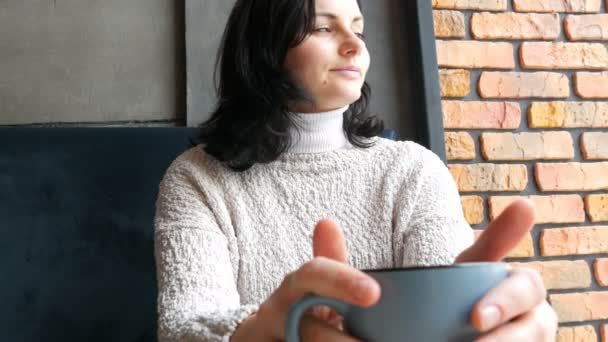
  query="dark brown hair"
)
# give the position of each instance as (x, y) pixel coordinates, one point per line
(251, 121)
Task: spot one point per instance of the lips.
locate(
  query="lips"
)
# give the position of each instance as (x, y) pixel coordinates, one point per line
(350, 72)
(348, 68)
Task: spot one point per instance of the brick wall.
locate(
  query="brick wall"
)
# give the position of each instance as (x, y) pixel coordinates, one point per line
(525, 104)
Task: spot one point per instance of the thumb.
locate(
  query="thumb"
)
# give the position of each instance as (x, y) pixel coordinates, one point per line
(328, 241)
(503, 234)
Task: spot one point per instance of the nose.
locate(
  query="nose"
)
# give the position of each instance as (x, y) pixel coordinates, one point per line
(352, 45)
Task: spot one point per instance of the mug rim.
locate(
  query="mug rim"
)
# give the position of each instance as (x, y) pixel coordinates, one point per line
(434, 267)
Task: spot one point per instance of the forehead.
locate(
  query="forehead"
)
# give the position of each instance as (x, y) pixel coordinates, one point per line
(339, 8)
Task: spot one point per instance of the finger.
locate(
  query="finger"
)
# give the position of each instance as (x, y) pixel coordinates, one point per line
(328, 241)
(325, 277)
(522, 291)
(313, 329)
(503, 234)
(326, 314)
(331, 278)
(539, 324)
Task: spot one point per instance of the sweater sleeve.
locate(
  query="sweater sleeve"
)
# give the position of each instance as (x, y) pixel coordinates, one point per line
(429, 225)
(197, 293)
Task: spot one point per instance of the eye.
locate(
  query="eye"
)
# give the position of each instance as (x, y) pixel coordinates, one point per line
(323, 29)
(361, 35)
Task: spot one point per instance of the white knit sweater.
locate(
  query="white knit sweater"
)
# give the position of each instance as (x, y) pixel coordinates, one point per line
(224, 240)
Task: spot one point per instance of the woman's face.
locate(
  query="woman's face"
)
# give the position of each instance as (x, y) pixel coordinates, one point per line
(331, 63)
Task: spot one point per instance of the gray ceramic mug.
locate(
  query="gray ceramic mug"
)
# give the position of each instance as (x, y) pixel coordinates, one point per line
(426, 304)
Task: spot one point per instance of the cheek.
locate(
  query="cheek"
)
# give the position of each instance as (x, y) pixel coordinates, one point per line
(306, 65)
(365, 62)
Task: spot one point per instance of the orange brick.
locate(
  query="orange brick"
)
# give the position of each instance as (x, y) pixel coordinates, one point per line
(594, 145)
(454, 83)
(472, 207)
(459, 146)
(493, 84)
(448, 24)
(545, 55)
(597, 207)
(563, 274)
(478, 114)
(515, 26)
(572, 6)
(490, 177)
(527, 146)
(601, 271)
(578, 307)
(549, 209)
(585, 333)
(571, 176)
(591, 85)
(560, 114)
(574, 241)
(474, 54)
(480, 5)
(524, 248)
(587, 27)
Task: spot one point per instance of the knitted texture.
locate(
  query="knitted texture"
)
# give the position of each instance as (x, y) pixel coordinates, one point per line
(224, 240)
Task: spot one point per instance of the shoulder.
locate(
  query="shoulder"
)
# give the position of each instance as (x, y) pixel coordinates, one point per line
(192, 166)
(417, 172)
(192, 157)
(408, 156)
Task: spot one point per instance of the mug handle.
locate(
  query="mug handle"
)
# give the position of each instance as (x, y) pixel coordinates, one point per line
(292, 326)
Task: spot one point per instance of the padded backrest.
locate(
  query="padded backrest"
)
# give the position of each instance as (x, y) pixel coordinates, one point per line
(76, 231)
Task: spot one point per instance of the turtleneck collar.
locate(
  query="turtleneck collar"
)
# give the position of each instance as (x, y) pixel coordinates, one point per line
(319, 132)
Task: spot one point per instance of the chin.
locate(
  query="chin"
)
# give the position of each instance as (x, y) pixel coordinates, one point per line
(348, 96)
(353, 97)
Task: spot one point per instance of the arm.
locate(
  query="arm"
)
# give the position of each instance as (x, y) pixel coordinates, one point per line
(434, 231)
(197, 294)
(429, 225)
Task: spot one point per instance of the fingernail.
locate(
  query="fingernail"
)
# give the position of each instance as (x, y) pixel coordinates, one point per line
(490, 317)
(361, 288)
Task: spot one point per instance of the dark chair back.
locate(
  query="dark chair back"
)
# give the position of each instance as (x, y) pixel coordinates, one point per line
(76, 231)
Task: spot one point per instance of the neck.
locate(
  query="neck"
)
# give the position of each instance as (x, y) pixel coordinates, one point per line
(319, 132)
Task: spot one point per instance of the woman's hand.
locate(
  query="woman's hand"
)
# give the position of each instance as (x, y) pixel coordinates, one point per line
(515, 310)
(327, 275)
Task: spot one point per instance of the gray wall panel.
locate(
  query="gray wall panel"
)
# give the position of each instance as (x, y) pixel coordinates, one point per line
(388, 76)
(205, 22)
(89, 61)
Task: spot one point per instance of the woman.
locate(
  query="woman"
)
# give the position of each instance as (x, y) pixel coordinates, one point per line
(240, 234)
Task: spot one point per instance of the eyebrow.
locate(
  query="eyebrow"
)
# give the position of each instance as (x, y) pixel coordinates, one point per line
(333, 16)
